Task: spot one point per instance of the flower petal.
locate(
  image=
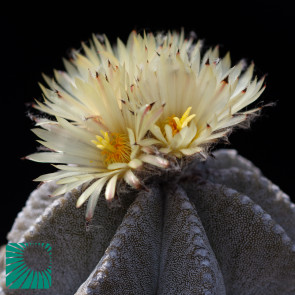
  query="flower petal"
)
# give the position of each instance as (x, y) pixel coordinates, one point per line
(131, 179)
(155, 160)
(111, 188)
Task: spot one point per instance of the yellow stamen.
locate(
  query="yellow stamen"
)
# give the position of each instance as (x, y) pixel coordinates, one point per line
(115, 147)
(177, 124)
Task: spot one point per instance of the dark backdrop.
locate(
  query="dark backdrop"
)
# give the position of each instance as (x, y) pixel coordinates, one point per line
(35, 39)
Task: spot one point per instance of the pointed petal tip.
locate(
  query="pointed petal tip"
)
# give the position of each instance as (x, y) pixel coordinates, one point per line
(132, 180)
(88, 219)
(111, 188)
(52, 196)
(155, 161)
(79, 204)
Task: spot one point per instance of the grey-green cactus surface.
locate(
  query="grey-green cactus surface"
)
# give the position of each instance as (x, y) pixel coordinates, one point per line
(220, 227)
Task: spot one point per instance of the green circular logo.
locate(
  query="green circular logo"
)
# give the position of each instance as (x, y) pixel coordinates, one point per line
(28, 266)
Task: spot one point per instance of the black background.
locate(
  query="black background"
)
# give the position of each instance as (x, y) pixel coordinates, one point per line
(35, 39)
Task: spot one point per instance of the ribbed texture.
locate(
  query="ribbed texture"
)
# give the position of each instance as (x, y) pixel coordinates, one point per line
(221, 228)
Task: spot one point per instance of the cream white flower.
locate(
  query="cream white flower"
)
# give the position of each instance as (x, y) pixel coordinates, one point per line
(204, 96)
(99, 129)
(116, 108)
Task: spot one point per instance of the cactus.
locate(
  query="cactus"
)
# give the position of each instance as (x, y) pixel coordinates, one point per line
(219, 227)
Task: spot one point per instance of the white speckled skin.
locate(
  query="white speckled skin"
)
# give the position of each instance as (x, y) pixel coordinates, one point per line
(188, 264)
(221, 228)
(130, 263)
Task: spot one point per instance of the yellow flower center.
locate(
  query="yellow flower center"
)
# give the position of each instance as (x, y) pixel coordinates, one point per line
(115, 147)
(177, 124)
